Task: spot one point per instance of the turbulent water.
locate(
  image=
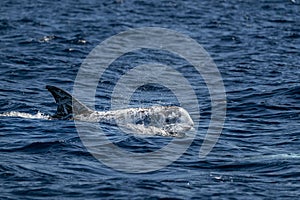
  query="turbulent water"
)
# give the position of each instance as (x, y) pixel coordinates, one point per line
(256, 46)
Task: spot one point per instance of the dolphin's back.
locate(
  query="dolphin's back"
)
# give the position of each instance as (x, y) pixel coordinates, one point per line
(168, 121)
(67, 105)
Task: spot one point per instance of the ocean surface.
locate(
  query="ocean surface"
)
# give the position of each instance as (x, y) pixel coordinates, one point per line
(256, 47)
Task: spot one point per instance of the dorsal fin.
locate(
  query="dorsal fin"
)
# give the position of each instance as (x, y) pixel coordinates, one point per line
(64, 104)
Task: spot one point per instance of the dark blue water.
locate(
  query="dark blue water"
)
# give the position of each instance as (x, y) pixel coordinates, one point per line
(256, 46)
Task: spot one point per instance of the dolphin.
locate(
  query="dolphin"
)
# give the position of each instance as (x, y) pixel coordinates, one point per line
(171, 121)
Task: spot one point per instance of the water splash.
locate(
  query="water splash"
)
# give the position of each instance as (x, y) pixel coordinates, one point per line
(38, 115)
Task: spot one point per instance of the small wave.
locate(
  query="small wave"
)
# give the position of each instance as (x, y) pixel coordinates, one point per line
(38, 115)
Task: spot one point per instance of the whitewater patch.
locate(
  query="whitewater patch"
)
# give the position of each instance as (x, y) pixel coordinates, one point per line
(38, 115)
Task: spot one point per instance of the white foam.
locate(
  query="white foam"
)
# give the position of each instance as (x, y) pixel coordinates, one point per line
(38, 115)
(283, 156)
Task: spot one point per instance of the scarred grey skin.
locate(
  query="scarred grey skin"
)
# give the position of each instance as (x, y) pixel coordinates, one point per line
(171, 121)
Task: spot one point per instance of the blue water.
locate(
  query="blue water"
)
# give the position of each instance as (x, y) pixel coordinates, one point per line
(256, 46)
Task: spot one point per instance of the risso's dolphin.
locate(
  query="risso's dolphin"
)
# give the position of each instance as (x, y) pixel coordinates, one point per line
(171, 121)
